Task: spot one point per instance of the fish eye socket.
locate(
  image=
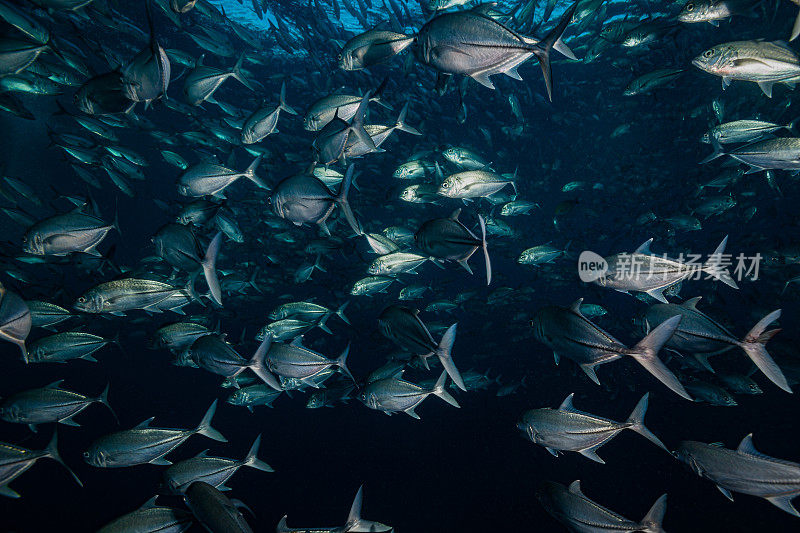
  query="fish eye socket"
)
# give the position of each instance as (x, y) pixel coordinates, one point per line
(82, 300)
(86, 455)
(690, 7)
(708, 53)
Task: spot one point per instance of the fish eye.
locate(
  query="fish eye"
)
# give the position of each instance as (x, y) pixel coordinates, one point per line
(86, 455)
(339, 57)
(708, 53)
(82, 299)
(690, 7)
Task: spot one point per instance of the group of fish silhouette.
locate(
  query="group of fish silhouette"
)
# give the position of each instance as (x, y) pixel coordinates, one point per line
(472, 42)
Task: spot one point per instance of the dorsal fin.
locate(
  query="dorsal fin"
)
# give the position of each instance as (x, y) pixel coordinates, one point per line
(484, 9)
(297, 341)
(747, 446)
(566, 405)
(145, 424)
(644, 249)
(55, 384)
(149, 504)
(576, 306)
(692, 302)
(454, 214)
(575, 487)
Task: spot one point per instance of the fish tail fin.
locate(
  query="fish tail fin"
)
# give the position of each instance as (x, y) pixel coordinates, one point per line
(646, 354)
(636, 420)
(323, 323)
(562, 48)
(209, 265)
(377, 95)
(282, 101)
(795, 29)
(716, 268)
(190, 287)
(485, 249)
(149, 13)
(52, 452)
(115, 224)
(345, 205)
(204, 428)
(542, 49)
(282, 527)
(236, 72)
(444, 353)
(401, 122)
(250, 173)
(341, 362)
(439, 390)
(754, 345)
(354, 516)
(718, 152)
(253, 461)
(103, 398)
(259, 368)
(357, 125)
(651, 523)
(340, 312)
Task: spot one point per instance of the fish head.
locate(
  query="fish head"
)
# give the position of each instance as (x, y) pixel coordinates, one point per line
(311, 123)
(449, 187)
(275, 202)
(315, 402)
(369, 399)
(237, 398)
(538, 323)
(634, 39)
(402, 172)
(452, 155)
(528, 431)
(632, 89)
(409, 194)
(90, 302)
(347, 61)
(527, 257)
(694, 12)
(686, 453)
(96, 457)
(11, 413)
(33, 243)
(716, 60)
(358, 289)
(378, 266)
(83, 101)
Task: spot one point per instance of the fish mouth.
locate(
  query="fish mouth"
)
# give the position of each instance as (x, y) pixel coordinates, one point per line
(697, 62)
